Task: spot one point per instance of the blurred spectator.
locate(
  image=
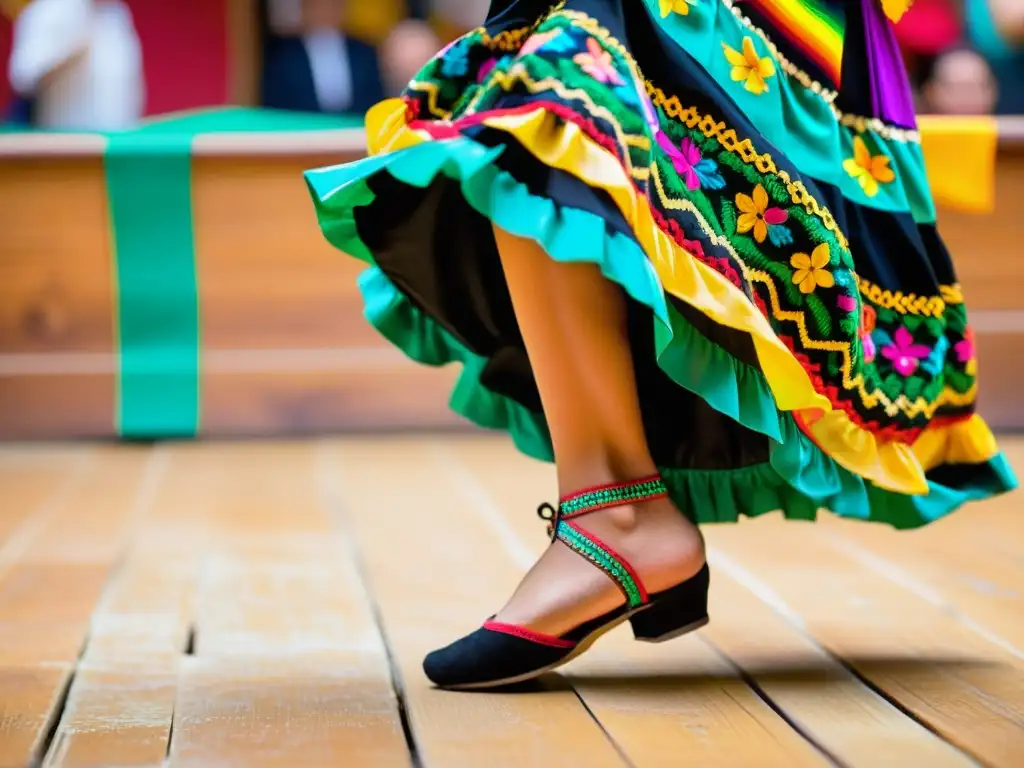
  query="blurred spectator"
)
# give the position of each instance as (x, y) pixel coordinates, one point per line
(77, 65)
(310, 65)
(409, 46)
(959, 82)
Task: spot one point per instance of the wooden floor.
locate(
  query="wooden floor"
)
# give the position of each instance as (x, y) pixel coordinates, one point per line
(268, 604)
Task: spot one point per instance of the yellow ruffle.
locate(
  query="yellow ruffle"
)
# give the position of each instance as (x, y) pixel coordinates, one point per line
(893, 466)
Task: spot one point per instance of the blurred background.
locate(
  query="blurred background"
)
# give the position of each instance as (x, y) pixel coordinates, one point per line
(161, 272)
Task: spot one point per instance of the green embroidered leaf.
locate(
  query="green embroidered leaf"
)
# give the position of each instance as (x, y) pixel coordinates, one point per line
(822, 317)
(728, 217)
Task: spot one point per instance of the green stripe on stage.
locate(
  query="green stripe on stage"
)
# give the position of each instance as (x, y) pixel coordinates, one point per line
(149, 187)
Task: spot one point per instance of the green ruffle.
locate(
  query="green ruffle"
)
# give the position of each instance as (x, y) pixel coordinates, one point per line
(798, 479)
(796, 118)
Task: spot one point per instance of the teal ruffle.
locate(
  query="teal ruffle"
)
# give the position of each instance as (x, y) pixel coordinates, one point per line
(799, 479)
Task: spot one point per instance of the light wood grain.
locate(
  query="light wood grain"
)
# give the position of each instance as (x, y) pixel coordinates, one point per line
(289, 666)
(257, 603)
(52, 574)
(815, 690)
(962, 684)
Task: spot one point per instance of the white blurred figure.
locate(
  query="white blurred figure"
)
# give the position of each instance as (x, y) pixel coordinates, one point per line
(80, 62)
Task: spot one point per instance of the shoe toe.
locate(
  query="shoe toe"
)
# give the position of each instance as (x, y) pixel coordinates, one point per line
(487, 658)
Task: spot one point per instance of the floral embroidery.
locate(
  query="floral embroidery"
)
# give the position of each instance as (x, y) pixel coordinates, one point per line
(757, 216)
(904, 354)
(696, 170)
(965, 352)
(455, 61)
(846, 303)
(747, 66)
(682, 7)
(810, 270)
(597, 62)
(539, 40)
(869, 170)
(603, 92)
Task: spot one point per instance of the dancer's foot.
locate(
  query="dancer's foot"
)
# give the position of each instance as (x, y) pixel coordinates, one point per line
(563, 590)
(634, 557)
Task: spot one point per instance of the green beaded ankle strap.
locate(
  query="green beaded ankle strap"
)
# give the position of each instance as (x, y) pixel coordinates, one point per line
(593, 549)
(615, 495)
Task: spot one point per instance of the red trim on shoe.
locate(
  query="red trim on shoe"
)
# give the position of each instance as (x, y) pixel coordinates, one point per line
(644, 597)
(528, 634)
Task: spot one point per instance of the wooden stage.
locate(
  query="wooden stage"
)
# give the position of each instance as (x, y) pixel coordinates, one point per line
(268, 604)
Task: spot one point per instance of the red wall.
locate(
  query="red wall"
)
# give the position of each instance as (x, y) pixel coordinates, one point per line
(185, 52)
(184, 49)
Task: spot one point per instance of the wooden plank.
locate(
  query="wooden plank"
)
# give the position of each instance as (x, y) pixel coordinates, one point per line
(971, 564)
(55, 277)
(967, 688)
(984, 248)
(56, 406)
(821, 696)
(266, 275)
(50, 580)
(28, 698)
(640, 693)
(435, 569)
(289, 668)
(399, 395)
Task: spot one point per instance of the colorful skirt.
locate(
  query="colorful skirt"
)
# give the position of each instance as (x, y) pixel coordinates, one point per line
(750, 175)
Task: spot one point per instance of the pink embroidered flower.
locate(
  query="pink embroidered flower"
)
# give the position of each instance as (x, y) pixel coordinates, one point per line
(904, 354)
(965, 352)
(597, 62)
(535, 42)
(965, 349)
(846, 303)
(485, 69)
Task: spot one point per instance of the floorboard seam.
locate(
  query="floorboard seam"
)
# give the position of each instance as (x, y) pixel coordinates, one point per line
(777, 605)
(763, 695)
(336, 508)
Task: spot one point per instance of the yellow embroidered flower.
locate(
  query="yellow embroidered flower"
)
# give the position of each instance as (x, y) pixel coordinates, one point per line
(756, 215)
(869, 170)
(682, 7)
(810, 270)
(749, 67)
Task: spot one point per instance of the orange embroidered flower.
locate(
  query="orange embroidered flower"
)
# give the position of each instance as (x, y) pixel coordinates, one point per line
(682, 7)
(756, 215)
(597, 62)
(869, 170)
(810, 270)
(747, 66)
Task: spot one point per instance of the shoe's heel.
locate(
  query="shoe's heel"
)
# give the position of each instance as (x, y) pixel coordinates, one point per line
(675, 611)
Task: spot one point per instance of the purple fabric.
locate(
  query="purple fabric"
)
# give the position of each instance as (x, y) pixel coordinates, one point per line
(891, 99)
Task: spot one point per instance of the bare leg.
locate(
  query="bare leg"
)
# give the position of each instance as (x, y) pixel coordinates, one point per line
(573, 322)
